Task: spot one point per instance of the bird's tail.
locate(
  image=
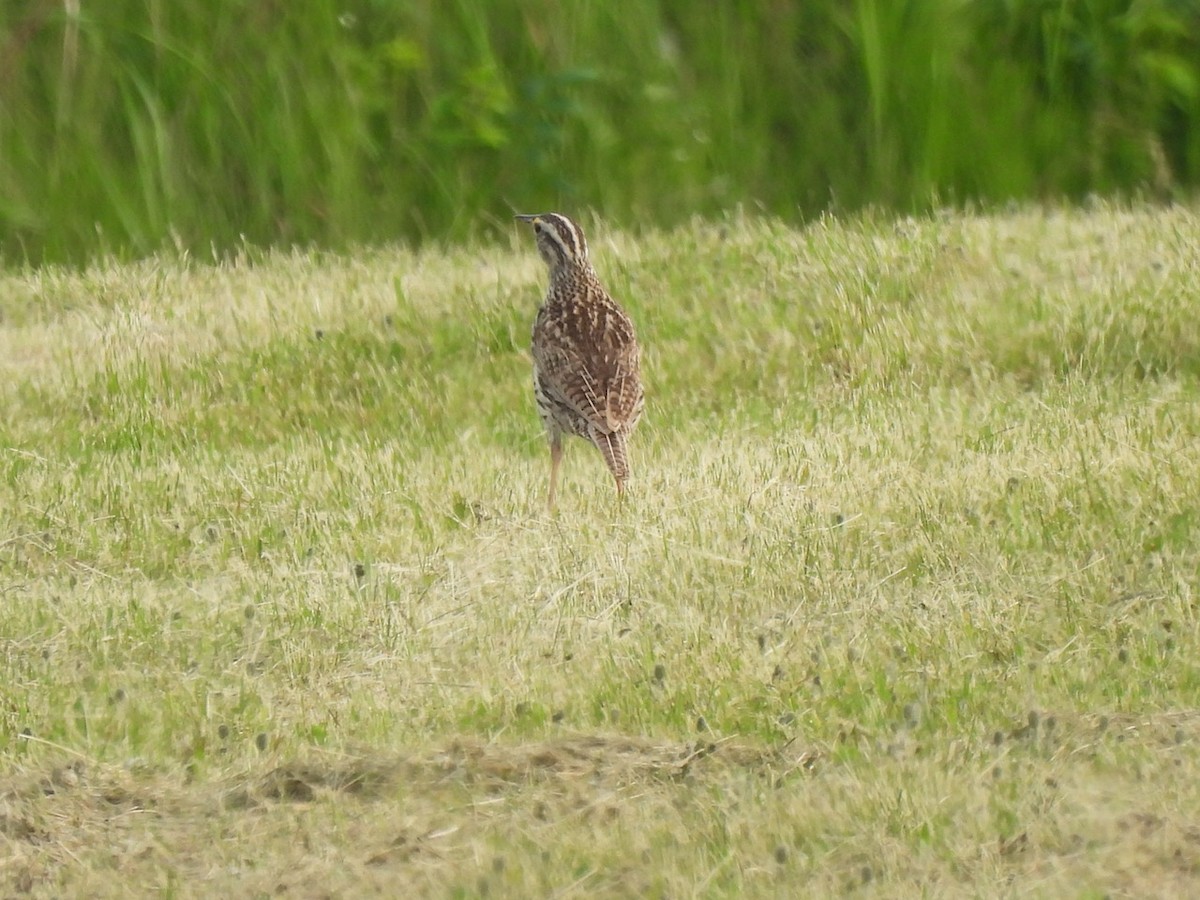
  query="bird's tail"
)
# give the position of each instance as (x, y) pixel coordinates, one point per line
(614, 447)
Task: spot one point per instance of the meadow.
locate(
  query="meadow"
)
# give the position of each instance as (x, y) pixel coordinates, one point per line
(902, 601)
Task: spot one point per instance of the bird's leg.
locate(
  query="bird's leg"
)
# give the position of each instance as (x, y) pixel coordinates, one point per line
(555, 461)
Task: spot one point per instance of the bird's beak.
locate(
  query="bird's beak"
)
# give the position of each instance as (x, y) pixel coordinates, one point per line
(531, 219)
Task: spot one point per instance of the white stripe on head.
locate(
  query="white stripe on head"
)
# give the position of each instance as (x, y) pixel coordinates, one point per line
(566, 235)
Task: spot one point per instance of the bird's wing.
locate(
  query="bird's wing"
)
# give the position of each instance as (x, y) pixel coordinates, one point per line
(589, 361)
(624, 388)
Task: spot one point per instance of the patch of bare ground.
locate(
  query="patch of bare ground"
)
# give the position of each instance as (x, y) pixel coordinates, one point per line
(484, 815)
(441, 804)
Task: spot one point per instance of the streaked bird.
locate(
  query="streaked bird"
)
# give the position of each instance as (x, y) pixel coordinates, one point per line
(586, 376)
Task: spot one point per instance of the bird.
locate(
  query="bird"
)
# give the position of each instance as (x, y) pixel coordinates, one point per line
(586, 369)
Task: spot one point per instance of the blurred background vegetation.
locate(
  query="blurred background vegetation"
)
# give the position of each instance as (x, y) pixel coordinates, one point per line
(128, 125)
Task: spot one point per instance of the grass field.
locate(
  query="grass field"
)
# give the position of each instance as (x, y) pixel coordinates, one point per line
(903, 601)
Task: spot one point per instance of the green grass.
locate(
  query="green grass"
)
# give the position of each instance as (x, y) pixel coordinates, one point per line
(130, 127)
(903, 600)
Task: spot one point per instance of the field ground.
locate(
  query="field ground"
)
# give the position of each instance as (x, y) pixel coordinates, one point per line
(903, 601)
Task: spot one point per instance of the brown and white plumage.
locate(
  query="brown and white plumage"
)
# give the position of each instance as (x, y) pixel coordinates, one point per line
(586, 374)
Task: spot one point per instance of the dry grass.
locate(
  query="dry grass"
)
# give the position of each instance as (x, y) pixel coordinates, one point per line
(904, 601)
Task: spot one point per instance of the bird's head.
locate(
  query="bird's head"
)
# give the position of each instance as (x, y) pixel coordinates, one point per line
(559, 240)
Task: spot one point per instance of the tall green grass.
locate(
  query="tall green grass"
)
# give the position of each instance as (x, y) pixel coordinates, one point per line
(133, 124)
